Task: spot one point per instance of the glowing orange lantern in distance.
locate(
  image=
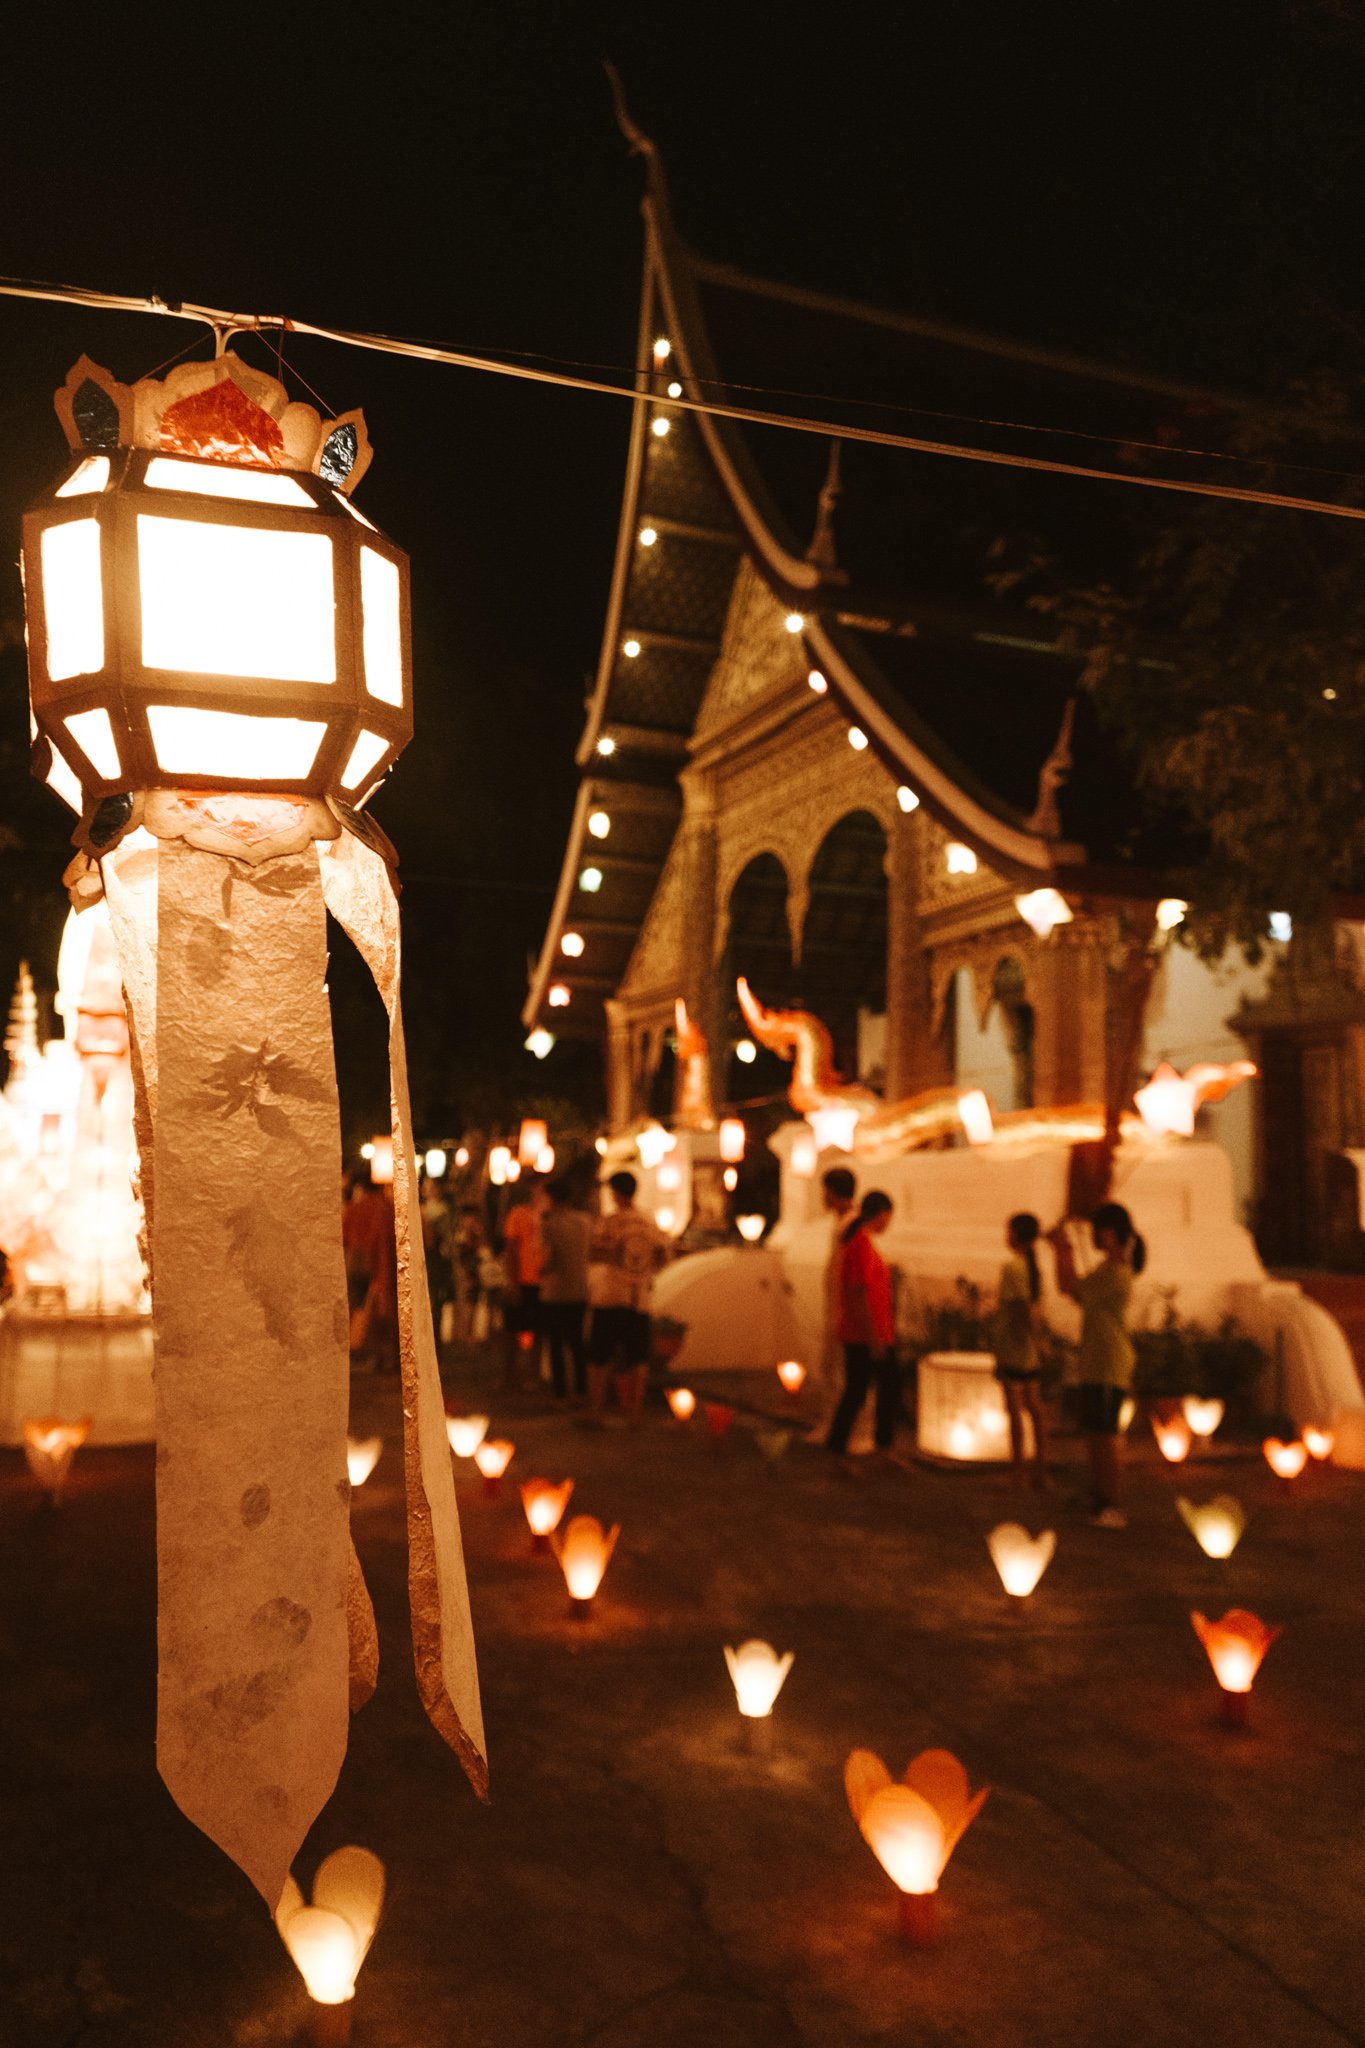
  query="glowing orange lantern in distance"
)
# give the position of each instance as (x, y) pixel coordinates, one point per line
(544, 1504)
(792, 1374)
(381, 1162)
(683, 1402)
(732, 1140)
(1286, 1461)
(492, 1457)
(584, 1552)
(1318, 1443)
(1235, 1647)
(49, 1446)
(1173, 1438)
(913, 1827)
(532, 1139)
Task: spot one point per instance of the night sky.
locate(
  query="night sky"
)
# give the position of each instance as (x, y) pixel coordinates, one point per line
(1176, 188)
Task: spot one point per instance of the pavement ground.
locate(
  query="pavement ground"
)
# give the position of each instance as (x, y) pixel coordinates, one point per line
(1139, 1874)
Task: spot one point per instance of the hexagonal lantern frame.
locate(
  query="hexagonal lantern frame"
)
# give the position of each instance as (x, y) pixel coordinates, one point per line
(113, 492)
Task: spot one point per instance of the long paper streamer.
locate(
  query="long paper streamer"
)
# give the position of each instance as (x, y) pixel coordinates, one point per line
(359, 892)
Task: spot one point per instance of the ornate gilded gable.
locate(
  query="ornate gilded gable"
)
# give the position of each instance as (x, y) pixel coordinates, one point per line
(757, 653)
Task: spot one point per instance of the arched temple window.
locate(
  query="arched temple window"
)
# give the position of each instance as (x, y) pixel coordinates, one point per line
(842, 973)
(757, 946)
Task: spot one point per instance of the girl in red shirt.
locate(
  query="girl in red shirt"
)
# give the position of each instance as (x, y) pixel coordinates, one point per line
(867, 1330)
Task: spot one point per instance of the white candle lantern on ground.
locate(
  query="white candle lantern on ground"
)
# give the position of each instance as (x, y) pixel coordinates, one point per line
(758, 1675)
(330, 1939)
(961, 1412)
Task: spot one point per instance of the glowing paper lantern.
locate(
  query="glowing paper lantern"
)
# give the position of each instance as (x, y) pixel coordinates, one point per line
(1235, 1647)
(531, 1140)
(758, 1675)
(683, 1402)
(1202, 1416)
(1173, 1437)
(499, 1160)
(792, 1374)
(465, 1433)
(461, 1157)
(492, 1457)
(49, 1447)
(913, 1827)
(1286, 1461)
(219, 653)
(654, 1144)
(435, 1162)
(834, 1126)
(1318, 1443)
(362, 1455)
(1216, 1525)
(732, 1139)
(751, 1228)
(330, 1939)
(544, 1505)
(1043, 910)
(803, 1157)
(381, 1162)
(730, 1179)
(544, 1161)
(1019, 1558)
(584, 1552)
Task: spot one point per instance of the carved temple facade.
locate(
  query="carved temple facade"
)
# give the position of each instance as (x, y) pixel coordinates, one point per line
(815, 755)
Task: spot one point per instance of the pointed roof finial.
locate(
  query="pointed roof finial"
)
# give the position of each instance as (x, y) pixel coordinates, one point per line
(21, 1032)
(823, 551)
(640, 143)
(1046, 820)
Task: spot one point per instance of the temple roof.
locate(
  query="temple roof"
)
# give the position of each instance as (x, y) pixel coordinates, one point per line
(886, 554)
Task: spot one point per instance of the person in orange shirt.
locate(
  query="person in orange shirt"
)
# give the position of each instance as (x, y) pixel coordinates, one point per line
(867, 1328)
(524, 1262)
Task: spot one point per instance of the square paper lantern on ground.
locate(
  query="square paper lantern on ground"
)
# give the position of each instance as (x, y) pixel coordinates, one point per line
(206, 623)
(961, 1408)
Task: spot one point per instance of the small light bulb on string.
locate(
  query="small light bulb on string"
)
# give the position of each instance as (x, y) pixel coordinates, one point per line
(817, 682)
(906, 798)
(857, 739)
(631, 649)
(599, 824)
(648, 536)
(660, 427)
(795, 622)
(606, 746)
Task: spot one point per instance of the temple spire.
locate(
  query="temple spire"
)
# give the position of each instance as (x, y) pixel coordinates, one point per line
(823, 551)
(21, 1032)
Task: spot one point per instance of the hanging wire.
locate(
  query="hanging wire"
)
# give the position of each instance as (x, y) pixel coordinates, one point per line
(226, 323)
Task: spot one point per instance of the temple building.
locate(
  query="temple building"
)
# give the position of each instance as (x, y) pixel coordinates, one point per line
(822, 754)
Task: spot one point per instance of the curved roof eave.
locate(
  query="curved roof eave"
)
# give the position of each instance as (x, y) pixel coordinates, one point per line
(943, 789)
(573, 853)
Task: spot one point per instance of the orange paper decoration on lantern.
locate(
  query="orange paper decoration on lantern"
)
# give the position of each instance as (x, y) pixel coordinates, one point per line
(544, 1504)
(584, 1552)
(1286, 1461)
(1173, 1438)
(1235, 1647)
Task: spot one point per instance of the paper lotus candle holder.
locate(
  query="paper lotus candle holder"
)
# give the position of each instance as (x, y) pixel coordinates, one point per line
(1173, 1437)
(584, 1551)
(1170, 1102)
(683, 1403)
(792, 1374)
(1216, 1525)
(330, 1939)
(465, 1433)
(913, 1827)
(544, 1504)
(758, 1675)
(532, 1139)
(492, 1457)
(1235, 1646)
(1019, 1558)
(220, 674)
(1319, 1443)
(1286, 1461)
(1203, 1416)
(751, 1228)
(719, 1418)
(49, 1447)
(362, 1455)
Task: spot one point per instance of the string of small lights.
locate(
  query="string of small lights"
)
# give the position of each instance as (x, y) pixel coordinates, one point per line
(225, 324)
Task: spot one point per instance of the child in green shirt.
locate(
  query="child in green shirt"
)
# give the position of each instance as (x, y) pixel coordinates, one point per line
(1105, 1364)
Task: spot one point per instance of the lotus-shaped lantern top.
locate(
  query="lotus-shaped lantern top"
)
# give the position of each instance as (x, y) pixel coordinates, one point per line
(912, 1827)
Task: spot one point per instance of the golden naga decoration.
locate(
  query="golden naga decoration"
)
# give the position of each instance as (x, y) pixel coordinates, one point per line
(852, 1117)
(696, 1109)
(856, 1120)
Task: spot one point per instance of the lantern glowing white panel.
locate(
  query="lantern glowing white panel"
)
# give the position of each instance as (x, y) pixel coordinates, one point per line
(794, 622)
(758, 1675)
(961, 1409)
(63, 782)
(368, 751)
(1019, 1558)
(207, 480)
(356, 514)
(73, 599)
(236, 600)
(961, 860)
(94, 735)
(192, 741)
(465, 1433)
(89, 479)
(1043, 910)
(383, 633)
